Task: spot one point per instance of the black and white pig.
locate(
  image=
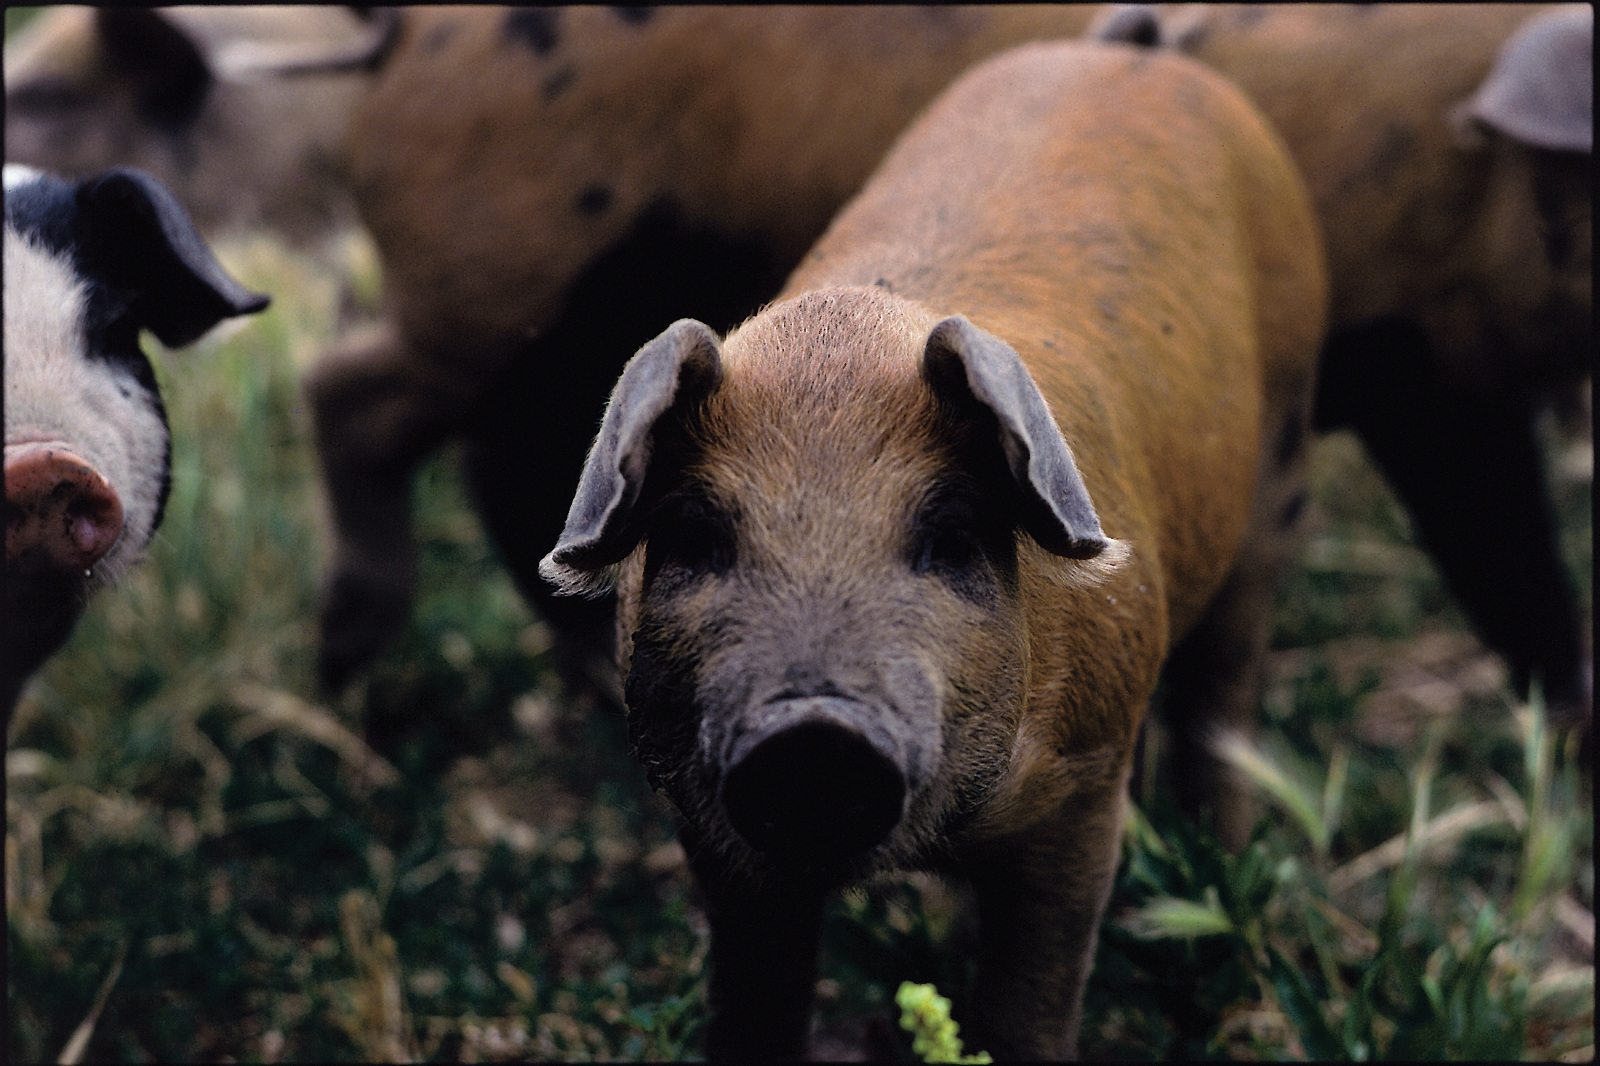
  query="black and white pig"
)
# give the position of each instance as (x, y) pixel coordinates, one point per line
(88, 265)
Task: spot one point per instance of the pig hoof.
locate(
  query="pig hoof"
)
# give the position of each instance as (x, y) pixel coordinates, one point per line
(359, 617)
(816, 792)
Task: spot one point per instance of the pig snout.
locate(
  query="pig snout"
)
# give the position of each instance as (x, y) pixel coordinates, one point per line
(810, 786)
(61, 514)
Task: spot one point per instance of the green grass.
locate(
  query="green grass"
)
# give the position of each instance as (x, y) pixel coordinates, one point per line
(456, 861)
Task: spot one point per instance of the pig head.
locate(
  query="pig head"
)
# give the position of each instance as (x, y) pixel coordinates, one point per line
(894, 591)
(850, 613)
(87, 266)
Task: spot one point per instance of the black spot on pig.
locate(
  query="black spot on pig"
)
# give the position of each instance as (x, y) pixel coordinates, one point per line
(557, 83)
(439, 37)
(594, 200)
(46, 212)
(634, 14)
(536, 27)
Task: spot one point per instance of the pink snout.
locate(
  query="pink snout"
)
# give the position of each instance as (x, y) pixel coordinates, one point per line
(61, 514)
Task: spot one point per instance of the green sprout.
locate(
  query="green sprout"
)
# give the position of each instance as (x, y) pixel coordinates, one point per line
(925, 1014)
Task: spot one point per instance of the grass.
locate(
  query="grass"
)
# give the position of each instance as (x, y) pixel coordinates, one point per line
(457, 861)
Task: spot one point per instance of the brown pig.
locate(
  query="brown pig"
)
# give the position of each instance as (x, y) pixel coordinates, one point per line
(900, 560)
(1447, 148)
(540, 186)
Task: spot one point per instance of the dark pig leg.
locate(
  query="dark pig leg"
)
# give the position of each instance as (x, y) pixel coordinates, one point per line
(764, 944)
(1469, 470)
(375, 423)
(1040, 901)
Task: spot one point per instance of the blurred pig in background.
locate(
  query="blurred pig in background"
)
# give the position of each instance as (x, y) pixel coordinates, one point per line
(539, 186)
(1448, 148)
(200, 98)
(87, 454)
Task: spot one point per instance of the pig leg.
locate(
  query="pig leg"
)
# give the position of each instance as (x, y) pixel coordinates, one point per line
(1212, 683)
(1469, 470)
(1212, 678)
(1040, 901)
(376, 419)
(764, 943)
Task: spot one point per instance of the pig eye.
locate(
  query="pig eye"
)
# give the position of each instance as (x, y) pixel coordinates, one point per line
(691, 535)
(945, 548)
(966, 539)
(949, 538)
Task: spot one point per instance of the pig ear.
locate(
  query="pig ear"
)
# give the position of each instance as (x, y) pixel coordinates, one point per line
(1136, 24)
(677, 369)
(1541, 90)
(135, 236)
(166, 68)
(964, 364)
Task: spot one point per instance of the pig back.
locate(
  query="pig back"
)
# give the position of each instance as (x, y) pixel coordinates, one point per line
(1363, 95)
(1136, 231)
(501, 151)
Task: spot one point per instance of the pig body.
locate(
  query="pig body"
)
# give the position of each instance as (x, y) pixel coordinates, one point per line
(1448, 150)
(87, 266)
(169, 90)
(535, 182)
(901, 560)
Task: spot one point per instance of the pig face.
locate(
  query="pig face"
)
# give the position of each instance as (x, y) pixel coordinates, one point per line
(86, 444)
(828, 645)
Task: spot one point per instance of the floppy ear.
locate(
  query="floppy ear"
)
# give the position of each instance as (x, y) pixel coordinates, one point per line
(1541, 90)
(1135, 24)
(134, 235)
(675, 370)
(964, 365)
